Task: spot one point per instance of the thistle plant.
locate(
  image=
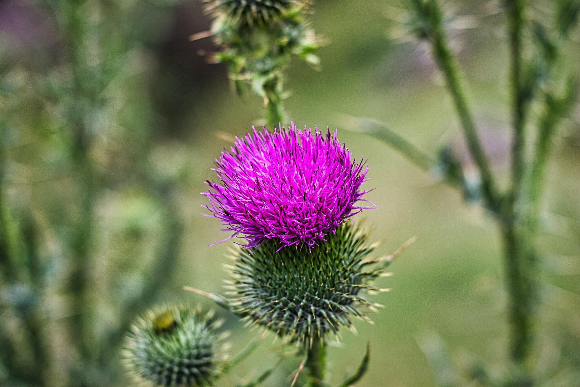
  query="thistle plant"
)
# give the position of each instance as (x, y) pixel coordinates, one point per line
(536, 80)
(59, 116)
(257, 39)
(175, 346)
(304, 272)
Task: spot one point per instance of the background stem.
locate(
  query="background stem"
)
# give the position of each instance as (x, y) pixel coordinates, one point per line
(519, 253)
(446, 62)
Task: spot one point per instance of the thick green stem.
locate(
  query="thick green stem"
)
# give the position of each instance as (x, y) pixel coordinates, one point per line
(517, 250)
(316, 363)
(446, 62)
(274, 111)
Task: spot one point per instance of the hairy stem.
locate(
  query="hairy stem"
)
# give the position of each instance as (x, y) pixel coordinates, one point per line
(446, 63)
(316, 363)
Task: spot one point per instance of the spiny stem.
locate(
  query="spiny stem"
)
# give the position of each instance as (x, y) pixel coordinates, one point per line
(316, 362)
(446, 62)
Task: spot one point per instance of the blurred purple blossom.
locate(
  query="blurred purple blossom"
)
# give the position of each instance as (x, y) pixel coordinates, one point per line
(291, 185)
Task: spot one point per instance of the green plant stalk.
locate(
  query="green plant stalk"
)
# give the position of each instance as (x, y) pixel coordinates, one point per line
(515, 15)
(273, 98)
(446, 63)
(316, 363)
(76, 34)
(518, 240)
(517, 245)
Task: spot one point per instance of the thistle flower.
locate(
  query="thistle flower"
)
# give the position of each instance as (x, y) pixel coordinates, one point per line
(175, 346)
(302, 295)
(294, 186)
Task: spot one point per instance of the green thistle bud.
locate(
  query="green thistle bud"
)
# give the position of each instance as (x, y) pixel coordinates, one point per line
(249, 12)
(300, 294)
(175, 346)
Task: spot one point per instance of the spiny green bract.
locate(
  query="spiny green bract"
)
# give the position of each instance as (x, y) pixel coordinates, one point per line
(248, 12)
(303, 295)
(174, 346)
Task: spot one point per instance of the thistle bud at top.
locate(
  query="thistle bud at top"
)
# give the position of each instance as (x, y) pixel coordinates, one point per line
(175, 346)
(292, 186)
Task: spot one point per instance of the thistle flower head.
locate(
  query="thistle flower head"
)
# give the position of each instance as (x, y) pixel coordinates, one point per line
(302, 295)
(292, 186)
(175, 346)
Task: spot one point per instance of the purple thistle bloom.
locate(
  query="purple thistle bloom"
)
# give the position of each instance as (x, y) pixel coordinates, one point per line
(293, 185)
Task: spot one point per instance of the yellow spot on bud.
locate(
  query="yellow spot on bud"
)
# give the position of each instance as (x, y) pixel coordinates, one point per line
(165, 322)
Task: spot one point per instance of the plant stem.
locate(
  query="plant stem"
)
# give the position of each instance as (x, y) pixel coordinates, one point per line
(76, 34)
(316, 363)
(446, 62)
(274, 111)
(521, 292)
(515, 14)
(519, 252)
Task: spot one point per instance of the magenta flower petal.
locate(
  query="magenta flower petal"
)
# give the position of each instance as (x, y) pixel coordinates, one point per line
(292, 185)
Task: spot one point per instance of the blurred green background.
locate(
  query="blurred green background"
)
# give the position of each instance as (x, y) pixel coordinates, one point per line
(448, 284)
